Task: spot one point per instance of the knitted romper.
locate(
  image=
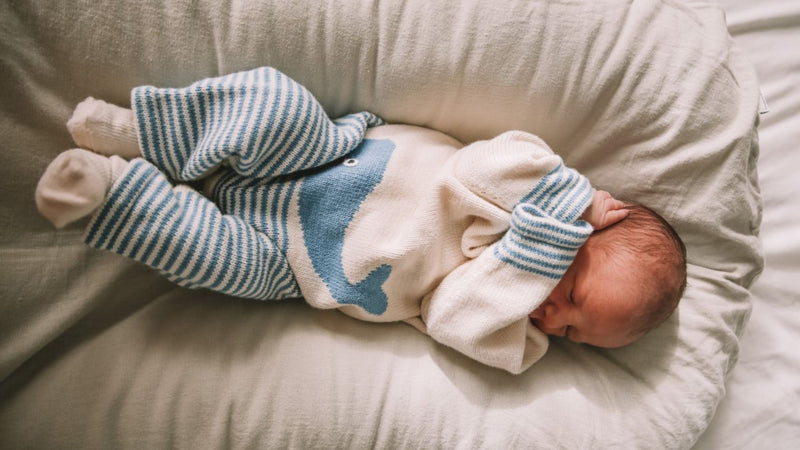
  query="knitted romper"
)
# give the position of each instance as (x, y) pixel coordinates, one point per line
(383, 222)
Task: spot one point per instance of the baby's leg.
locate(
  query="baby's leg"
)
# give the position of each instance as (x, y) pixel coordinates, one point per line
(104, 128)
(75, 185)
(185, 236)
(260, 123)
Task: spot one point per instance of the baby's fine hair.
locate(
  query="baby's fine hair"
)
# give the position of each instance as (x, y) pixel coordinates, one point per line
(651, 249)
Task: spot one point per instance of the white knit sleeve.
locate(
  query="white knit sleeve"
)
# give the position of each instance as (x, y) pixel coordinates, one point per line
(481, 308)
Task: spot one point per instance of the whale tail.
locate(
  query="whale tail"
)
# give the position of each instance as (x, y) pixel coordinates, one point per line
(369, 292)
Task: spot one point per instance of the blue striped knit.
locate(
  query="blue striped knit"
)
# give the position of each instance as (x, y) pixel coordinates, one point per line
(261, 124)
(186, 237)
(563, 194)
(545, 233)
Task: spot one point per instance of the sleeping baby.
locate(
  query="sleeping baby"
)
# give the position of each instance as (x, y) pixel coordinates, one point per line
(243, 185)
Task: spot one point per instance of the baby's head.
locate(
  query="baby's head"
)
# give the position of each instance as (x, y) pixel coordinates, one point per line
(625, 280)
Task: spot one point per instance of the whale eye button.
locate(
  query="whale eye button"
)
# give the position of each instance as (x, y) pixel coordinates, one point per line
(350, 162)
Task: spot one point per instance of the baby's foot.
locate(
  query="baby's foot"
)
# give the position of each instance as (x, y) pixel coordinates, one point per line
(75, 184)
(104, 128)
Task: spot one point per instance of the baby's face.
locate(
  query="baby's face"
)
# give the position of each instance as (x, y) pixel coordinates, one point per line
(592, 304)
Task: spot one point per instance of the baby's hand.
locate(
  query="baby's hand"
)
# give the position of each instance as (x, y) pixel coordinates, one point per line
(604, 211)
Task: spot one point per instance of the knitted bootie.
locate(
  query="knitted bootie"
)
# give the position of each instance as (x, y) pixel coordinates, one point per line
(104, 128)
(75, 184)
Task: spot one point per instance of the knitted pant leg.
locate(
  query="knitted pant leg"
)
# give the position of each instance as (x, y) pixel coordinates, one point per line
(183, 235)
(261, 123)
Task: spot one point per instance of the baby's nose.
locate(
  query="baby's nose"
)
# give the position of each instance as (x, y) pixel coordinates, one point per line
(547, 319)
(542, 311)
(540, 317)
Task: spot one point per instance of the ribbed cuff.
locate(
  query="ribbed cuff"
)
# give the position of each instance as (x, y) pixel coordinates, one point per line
(539, 243)
(563, 194)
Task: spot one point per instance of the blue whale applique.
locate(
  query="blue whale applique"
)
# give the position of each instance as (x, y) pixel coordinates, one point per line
(328, 201)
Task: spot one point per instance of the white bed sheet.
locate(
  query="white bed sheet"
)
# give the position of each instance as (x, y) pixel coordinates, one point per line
(762, 406)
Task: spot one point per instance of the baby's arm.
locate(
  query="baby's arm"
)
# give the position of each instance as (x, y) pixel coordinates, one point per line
(481, 308)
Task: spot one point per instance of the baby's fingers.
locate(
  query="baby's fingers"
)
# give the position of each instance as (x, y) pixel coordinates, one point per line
(603, 200)
(606, 210)
(611, 217)
(613, 204)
